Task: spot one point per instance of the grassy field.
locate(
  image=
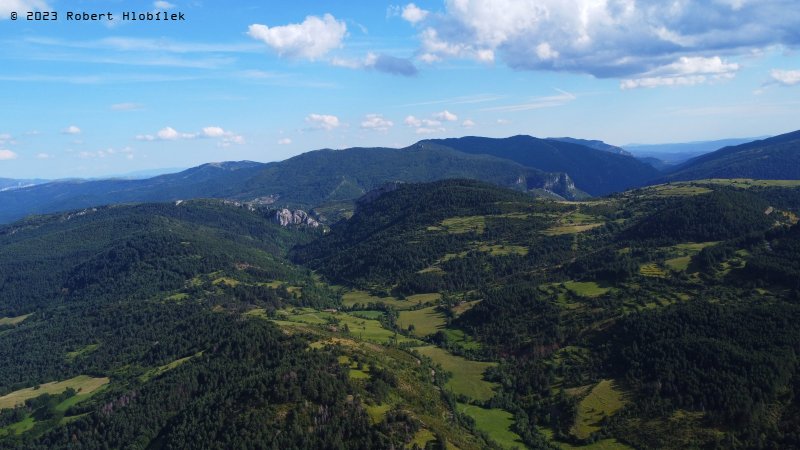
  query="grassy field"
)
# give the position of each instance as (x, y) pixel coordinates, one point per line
(421, 438)
(504, 250)
(586, 289)
(602, 401)
(467, 378)
(426, 321)
(678, 190)
(494, 422)
(83, 384)
(13, 320)
(679, 264)
(167, 367)
(463, 307)
(372, 315)
(459, 225)
(361, 328)
(352, 298)
(571, 229)
(82, 351)
(605, 444)
(652, 270)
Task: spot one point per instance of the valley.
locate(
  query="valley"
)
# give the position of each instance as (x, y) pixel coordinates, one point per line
(452, 314)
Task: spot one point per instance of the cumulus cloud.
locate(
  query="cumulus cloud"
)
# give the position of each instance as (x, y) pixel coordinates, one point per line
(445, 116)
(323, 122)
(786, 77)
(610, 38)
(424, 126)
(6, 139)
(468, 124)
(19, 6)
(687, 71)
(284, 141)
(6, 155)
(72, 129)
(380, 62)
(311, 39)
(43, 156)
(376, 122)
(414, 14)
(224, 137)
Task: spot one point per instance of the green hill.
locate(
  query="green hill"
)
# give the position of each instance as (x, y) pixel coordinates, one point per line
(776, 158)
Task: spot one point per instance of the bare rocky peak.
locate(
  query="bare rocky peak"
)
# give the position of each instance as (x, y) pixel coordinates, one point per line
(286, 217)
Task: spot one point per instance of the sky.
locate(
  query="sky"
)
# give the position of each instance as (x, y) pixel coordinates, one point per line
(267, 80)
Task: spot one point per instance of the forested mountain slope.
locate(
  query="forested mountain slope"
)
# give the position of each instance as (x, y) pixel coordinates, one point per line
(775, 158)
(303, 181)
(597, 172)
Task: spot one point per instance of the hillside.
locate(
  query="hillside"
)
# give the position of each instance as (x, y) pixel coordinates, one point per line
(589, 306)
(156, 324)
(776, 158)
(303, 181)
(594, 171)
(595, 144)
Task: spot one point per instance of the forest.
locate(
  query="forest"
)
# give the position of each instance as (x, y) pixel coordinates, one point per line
(452, 313)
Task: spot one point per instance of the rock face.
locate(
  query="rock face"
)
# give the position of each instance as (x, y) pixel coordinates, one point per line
(561, 184)
(286, 217)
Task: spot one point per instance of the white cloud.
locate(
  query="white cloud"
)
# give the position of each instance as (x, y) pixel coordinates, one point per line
(171, 134)
(126, 106)
(323, 121)
(160, 4)
(413, 14)
(446, 116)
(6, 139)
(311, 40)
(44, 156)
(225, 138)
(20, 6)
(376, 122)
(213, 132)
(6, 155)
(284, 141)
(625, 39)
(72, 129)
(786, 77)
(424, 126)
(412, 121)
(468, 124)
(686, 71)
(503, 121)
(380, 62)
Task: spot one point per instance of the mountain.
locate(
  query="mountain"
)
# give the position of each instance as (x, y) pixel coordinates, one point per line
(8, 184)
(595, 144)
(674, 151)
(305, 181)
(776, 158)
(595, 172)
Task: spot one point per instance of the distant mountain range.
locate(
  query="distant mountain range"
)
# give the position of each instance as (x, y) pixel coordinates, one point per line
(8, 184)
(306, 180)
(595, 144)
(776, 158)
(596, 172)
(564, 168)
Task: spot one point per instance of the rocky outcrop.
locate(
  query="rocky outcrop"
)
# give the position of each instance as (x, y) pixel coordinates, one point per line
(286, 217)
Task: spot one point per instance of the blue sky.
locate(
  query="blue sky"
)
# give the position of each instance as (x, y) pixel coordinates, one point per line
(268, 80)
